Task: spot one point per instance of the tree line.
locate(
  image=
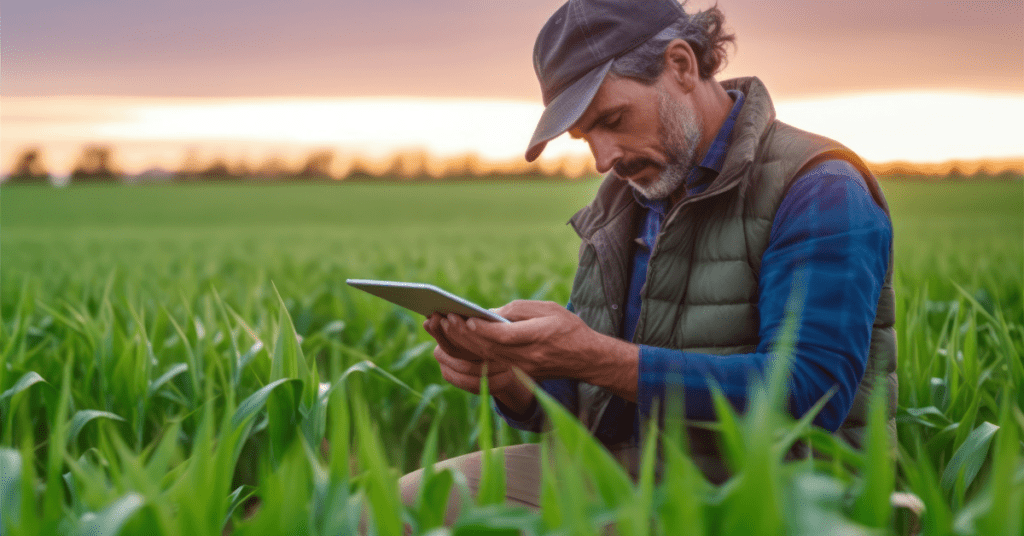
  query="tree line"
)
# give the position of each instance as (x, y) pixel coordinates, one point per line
(97, 164)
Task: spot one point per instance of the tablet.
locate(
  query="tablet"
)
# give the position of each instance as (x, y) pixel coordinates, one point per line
(424, 299)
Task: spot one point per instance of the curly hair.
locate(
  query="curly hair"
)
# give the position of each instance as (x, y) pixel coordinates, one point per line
(704, 31)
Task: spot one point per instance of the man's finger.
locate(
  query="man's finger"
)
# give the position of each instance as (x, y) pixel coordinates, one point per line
(526, 309)
(513, 334)
(465, 382)
(517, 310)
(435, 329)
(472, 368)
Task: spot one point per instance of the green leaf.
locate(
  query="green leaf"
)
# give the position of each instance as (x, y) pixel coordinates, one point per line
(412, 354)
(166, 377)
(435, 487)
(381, 483)
(923, 483)
(612, 482)
(283, 417)
(873, 507)
(434, 495)
(53, 496)
(429, 394)
(930, 411)
(288, 361)
(82, 417)
(969, 457)
(238, 496)
(109, 521)
(1004, 514)
(340, 432)
(27, 380)
(492, 461)
(634, 517)
(496, 520)
(10, 488)
(158, 462)
(10, 398)
(369, 367)
(728, 428)
(256, 401)
(684, 487)
(190, 355)
(816, 501)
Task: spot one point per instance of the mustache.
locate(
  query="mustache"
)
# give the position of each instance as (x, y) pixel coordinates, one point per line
(632, 167)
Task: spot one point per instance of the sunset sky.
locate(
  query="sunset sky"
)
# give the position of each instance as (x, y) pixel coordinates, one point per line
(913, 80)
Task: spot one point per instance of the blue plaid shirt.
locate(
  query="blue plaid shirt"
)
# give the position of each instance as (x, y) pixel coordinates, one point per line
(829, 231)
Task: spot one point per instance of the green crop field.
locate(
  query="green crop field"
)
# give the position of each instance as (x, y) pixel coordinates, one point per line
(187, 359)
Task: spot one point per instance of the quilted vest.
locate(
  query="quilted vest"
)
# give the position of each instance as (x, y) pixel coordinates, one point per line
(702, 281)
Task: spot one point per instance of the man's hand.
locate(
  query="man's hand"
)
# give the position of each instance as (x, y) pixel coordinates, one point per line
(545, 341)
(464, 369)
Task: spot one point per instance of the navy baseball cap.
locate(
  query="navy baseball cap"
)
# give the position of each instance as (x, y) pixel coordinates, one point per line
(576, 48)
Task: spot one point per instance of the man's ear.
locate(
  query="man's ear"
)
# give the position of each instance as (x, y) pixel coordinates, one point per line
(681, 65)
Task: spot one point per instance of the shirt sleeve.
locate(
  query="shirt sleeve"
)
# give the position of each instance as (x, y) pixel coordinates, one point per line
(829, 241)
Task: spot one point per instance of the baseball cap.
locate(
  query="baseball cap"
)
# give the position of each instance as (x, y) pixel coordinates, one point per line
(576, 48)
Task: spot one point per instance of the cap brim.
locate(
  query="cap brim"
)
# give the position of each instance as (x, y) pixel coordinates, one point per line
(564, 110)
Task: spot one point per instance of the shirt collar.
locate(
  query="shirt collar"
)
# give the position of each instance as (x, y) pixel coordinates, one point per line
(715, 157)
(711, 165)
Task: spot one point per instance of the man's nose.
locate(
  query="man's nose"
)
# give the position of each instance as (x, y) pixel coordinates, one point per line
(606, 153)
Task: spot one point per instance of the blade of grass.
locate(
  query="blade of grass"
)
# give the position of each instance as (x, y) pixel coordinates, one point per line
(10, 489)
(1006, 489)
(288, 360)
(109, 521)
(340, 433)
(968, 459)
(435, 486)
(380, 483)
(492, 461)
(873, 507)
(83, 417)
(54, 494)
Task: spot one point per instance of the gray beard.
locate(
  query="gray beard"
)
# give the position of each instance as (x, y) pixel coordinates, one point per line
(680, 134)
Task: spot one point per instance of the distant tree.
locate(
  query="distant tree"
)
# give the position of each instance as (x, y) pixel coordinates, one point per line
(1009, 174)
(216, 170)
(392, 170)
(240, 169)
(463, 166)
(956, 171)
(410, 165)
(29, 167)
(95, 164)
(359, 170)
(194, 169)
(983, 172)
(190, 166)
(273, 168)
(317, 166)
(532, 170)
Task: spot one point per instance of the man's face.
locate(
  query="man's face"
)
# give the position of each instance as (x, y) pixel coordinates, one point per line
(645, 133)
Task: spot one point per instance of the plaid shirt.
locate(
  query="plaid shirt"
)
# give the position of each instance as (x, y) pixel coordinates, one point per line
(828, 231)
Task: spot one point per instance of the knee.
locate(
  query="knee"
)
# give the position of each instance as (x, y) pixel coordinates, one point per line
(409, 486)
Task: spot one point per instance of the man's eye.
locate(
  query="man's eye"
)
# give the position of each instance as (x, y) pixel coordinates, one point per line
(613, 122)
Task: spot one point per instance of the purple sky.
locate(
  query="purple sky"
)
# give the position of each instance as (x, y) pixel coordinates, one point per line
(477, 48)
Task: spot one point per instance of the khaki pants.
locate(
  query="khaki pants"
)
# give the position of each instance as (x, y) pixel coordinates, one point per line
(523, 474)
(522, 478)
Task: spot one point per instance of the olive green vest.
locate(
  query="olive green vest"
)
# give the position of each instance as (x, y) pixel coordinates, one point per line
(701, 291)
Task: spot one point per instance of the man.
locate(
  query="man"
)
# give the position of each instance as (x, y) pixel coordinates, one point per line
(712, 216)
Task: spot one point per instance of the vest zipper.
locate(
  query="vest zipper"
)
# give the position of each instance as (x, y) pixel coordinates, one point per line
(669, 217)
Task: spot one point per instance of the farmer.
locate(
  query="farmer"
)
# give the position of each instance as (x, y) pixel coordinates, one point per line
(715, 221)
